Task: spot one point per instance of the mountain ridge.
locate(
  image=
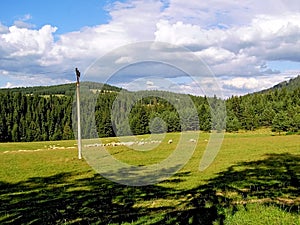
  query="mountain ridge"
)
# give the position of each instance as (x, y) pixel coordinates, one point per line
(289, 85)
(64, 89)
(69, 88)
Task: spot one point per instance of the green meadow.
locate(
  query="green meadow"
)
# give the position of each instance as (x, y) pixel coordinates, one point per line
(255, 179)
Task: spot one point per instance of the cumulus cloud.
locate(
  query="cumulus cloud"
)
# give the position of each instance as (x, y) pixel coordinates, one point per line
(21, 50)
(137, 18)
(131, 21)
(85, 45)
(239, 50)
(268, 31)
(225, 14)
(241, 85)
(24, 42)
(235, 39)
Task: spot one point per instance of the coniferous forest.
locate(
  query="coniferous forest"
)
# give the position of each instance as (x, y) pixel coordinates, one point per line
(45, 113)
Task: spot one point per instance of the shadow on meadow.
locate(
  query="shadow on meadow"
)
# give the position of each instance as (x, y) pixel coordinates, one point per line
(273, 181)
(60, 199)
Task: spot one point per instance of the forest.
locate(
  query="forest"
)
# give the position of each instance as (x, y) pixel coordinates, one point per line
(46, 113)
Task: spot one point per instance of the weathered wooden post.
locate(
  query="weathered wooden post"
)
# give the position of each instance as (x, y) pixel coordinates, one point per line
(78, 113)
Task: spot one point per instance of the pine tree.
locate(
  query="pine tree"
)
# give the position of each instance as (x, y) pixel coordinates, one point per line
(233, 123)
(157, 125)
(280, 122)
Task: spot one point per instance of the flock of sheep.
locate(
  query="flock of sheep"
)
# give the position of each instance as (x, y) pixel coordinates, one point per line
(130, 143)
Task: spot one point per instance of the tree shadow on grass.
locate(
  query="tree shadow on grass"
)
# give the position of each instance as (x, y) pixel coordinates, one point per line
(70, 198)
(62, 199)
(273, 181)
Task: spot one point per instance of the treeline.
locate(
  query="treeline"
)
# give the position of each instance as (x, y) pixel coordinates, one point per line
(279, 109)
(62, 89)
(35, 117)
(156, 112)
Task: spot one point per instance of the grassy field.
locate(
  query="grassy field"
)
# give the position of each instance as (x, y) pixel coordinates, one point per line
(255, 179)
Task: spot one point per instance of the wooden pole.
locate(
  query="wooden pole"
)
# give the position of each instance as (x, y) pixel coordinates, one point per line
(78, 114)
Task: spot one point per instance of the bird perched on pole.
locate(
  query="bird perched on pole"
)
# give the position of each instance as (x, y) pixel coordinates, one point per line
(77, 74)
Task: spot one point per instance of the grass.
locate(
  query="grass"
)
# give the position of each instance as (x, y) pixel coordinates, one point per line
(36, 145)
(254, 179)
(260, 215)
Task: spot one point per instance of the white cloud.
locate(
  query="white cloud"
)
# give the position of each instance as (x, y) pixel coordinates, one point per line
(23, 42)
(243, 83)
(124, 59)
(239, 50)
(273, 37)
(150, 83)
(186, 34)
(130, 22)
(266, 31)
(220, 13)
(85, 45)
(19, 79)
(8, 85)
(22, 22)
(4, 72)
(236, 39)
(137, 18)
(216, 55)
(3, 29)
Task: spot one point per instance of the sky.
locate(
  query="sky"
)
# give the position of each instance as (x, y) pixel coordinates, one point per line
(228, 46)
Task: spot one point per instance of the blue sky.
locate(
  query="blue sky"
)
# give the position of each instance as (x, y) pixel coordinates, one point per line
(247, 46)
(67, 15)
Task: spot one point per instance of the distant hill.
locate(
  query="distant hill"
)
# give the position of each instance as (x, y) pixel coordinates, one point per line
(30, 114)
(289, 85)
(62, 89)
